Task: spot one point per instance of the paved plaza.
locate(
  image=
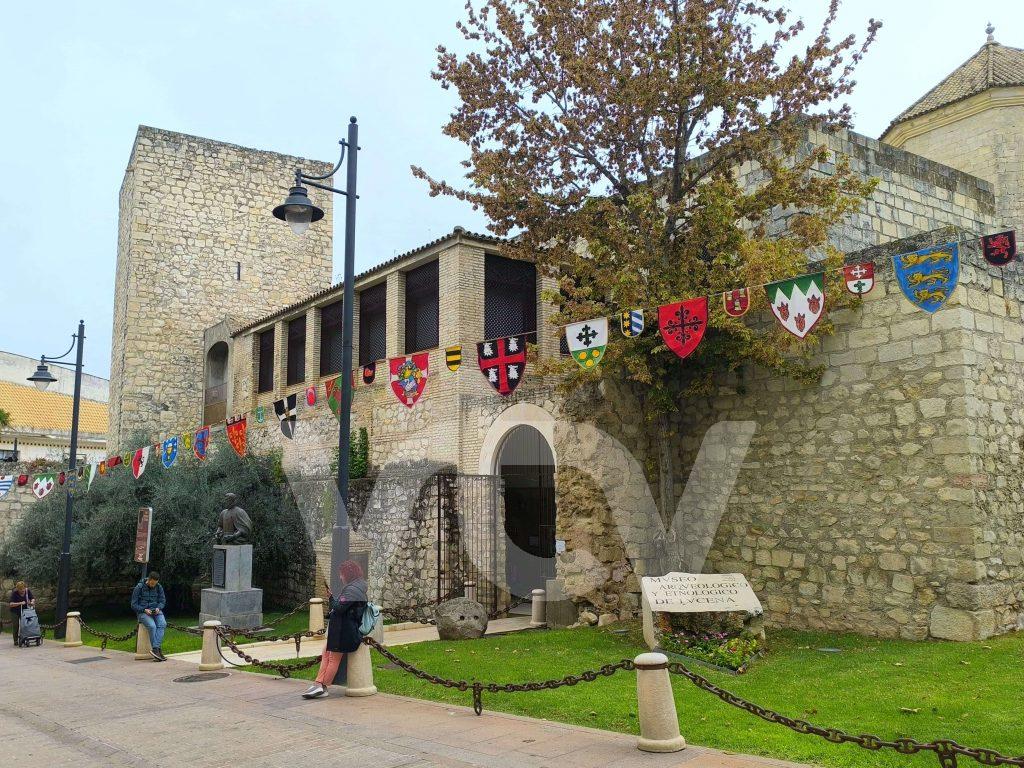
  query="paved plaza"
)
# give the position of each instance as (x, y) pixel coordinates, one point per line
(80, 707)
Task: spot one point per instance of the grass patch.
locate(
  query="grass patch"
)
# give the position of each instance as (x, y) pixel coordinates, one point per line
(968, 692)
(118, 622)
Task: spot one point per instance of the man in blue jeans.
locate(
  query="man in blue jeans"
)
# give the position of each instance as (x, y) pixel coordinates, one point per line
(148, 601)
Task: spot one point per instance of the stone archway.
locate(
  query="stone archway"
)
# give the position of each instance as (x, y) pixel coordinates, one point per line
(519, 448)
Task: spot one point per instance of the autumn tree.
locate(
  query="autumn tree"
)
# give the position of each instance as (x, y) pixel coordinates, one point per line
(607, 138)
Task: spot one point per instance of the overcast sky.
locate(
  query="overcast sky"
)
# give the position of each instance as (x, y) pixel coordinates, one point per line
(80, 77)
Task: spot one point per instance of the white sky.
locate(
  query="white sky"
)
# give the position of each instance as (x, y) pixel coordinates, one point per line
(80, 77)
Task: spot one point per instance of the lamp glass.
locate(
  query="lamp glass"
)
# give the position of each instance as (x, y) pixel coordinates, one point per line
(41, 385)
(299, 220)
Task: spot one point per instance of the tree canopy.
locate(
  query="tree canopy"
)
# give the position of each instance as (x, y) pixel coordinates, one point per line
(606, 137)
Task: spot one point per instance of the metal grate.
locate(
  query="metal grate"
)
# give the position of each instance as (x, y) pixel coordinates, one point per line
(332, 320)
(297, 350)
(373, 324)
(266, 360)
(421, 308)
(510, 297)
(87, 660)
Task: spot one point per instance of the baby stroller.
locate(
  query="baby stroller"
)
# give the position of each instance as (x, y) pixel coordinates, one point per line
(29, 632)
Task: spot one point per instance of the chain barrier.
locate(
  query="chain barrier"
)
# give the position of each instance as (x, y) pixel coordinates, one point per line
(284, 670)
(945, 749)
(478, 688)
(295, 610)
(184, 629)
(60, 623)
(106, 636)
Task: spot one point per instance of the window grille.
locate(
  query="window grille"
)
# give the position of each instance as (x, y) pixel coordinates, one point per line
(296, 360)
(265, 341)
(332, 321)
(421, 308)
(373, 324)
(510, 297)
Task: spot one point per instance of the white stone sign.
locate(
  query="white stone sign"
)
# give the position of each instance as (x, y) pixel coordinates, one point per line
(694, 593)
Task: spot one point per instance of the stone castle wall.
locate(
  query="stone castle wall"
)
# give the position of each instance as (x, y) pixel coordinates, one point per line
(192, 213)
(861, 503)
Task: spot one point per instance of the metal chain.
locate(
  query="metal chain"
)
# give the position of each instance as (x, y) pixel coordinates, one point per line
(51, 626)
(284, 670)
(186, 630)
(945, 749)
(478, 688)
(295, 610)
(106, 636)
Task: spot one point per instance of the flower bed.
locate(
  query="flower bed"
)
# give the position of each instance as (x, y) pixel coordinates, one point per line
(716, 639)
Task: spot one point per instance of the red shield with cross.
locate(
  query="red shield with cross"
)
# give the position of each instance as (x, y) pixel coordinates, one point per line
(683, 324)
(860, 278)
(503, 362)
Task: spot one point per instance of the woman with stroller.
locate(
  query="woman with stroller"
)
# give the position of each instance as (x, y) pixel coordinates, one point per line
(343, 634)
(21, 597)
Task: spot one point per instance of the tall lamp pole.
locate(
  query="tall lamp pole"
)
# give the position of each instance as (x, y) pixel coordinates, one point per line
(299, 211)
(42, 378)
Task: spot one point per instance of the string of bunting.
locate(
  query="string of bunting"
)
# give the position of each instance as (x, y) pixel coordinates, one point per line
(927, 278)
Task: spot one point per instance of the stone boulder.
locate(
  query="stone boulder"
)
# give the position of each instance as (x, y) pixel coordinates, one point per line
(460, 619)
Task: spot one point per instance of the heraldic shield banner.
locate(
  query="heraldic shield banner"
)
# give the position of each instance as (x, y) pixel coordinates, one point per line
(928, 277)
(409, 377)
(798, 303)
(503, 362)
(683, 324)
(587, 341)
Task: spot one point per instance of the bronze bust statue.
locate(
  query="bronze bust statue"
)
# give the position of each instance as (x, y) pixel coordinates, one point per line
(234, 526)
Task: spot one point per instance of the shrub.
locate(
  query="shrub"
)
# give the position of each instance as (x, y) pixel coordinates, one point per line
(186, 500)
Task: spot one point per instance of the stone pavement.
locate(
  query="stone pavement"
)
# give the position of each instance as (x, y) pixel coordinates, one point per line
(64, 706)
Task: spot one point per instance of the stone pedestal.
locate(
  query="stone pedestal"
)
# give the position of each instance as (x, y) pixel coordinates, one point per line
(232, 600)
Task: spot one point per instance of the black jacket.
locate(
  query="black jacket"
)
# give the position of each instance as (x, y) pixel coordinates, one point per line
(345, 616)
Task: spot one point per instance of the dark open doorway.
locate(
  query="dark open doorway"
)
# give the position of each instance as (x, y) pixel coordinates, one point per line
(527, 467)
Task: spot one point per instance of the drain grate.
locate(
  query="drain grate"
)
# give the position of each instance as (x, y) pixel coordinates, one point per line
(202, 677)
(87, 659)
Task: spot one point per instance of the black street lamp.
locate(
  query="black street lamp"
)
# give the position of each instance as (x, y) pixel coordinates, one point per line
(299, 212)
(42, 378)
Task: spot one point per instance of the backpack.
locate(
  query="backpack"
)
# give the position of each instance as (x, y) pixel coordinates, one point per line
(371, 615)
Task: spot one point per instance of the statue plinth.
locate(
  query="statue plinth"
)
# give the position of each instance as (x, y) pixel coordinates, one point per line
(232, 599)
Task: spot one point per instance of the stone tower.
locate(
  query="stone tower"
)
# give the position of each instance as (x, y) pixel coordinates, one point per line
(197, 246)
(974, 121)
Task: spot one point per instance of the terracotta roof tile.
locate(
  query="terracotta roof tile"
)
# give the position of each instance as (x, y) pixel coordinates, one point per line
(32, 410)
(993, 66)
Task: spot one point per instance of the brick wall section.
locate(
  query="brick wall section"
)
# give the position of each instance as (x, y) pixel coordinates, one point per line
(190, 208)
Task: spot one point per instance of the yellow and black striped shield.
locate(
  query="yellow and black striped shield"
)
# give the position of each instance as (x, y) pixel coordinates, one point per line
(453, 357)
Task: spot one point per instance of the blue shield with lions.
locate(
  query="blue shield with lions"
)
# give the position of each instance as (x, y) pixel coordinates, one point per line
(928, 277)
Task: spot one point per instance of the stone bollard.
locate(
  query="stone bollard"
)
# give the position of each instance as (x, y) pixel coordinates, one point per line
(659, 724)
(73, 630)
(360, 673)
(470, 591)
(142, 644)
(537, 609)
(316, 614)
(210, 658)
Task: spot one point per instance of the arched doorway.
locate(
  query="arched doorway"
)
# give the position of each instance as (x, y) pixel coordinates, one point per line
(215, 400)
(527, 467)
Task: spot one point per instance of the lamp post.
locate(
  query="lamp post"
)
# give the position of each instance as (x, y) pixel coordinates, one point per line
(42, 378)
(299, 212)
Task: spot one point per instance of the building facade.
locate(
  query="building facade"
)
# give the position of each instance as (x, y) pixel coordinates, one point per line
(883, 499)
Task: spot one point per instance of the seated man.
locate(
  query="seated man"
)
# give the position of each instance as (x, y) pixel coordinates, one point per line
(148, 601)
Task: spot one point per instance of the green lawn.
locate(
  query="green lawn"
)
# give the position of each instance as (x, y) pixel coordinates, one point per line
(967, 692)
(116, 622)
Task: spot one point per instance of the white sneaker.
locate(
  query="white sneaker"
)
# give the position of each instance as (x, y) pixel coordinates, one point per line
(315, 691)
